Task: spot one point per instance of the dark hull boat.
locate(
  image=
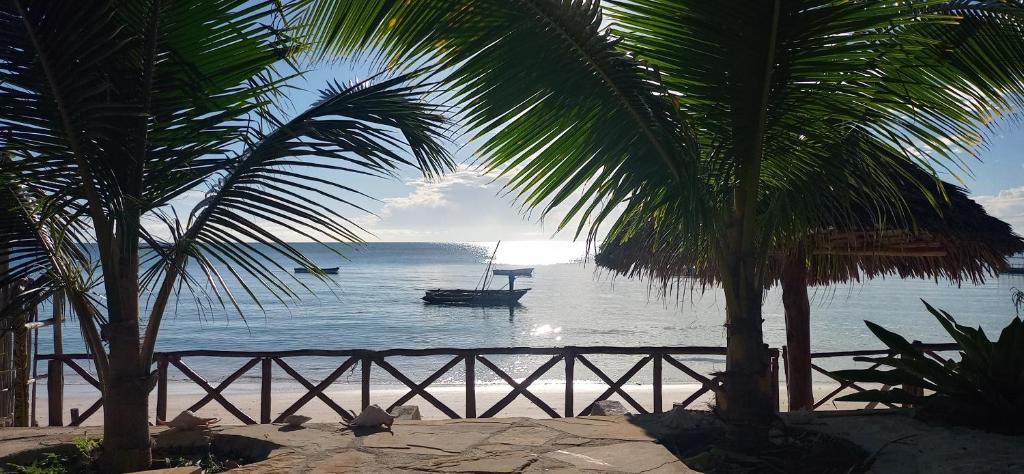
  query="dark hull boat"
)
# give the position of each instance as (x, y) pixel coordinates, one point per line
(329, 271)
(475, 297)
(481, 296)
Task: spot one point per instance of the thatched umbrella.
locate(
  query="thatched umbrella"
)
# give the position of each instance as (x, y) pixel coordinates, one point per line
(954, 239)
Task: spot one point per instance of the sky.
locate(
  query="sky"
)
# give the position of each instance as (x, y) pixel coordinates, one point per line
(467, 205)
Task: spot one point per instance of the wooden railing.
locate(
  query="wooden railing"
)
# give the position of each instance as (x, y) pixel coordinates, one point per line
(930, 350)
(366, 360)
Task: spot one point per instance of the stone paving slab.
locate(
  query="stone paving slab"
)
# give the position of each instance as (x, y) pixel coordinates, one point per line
(551, 446)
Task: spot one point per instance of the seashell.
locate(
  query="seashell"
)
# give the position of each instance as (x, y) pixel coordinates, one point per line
(296, 421)
(373, 416)
(187, 420)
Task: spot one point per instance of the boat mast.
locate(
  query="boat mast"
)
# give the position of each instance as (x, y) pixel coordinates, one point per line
(489, 263)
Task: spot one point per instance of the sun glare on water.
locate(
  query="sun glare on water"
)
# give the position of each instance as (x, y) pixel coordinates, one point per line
(539, 252)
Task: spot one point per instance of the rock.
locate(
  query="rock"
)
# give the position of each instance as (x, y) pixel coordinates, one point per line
(407, 412)
(296, 421)
(179, 442)
(608, 408)
(681, 419)
(800, 417)
(373, 416)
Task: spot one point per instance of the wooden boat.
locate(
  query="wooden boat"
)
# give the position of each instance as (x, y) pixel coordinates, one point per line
(475, 297)
(328, 270)
(482, 296)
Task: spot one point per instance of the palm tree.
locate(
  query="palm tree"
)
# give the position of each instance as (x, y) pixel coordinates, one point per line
(708, 117)
(111, 111)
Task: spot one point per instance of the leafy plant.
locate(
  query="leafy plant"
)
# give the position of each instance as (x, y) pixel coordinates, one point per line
(985, 388)
(87, 446)
(49, 463)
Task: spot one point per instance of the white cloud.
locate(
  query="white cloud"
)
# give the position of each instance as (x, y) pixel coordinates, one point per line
(1008, 205)
(463, 206)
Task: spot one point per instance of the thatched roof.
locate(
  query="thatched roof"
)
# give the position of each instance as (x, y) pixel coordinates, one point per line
(962, 243)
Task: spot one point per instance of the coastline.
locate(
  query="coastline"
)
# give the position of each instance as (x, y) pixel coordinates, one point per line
(246, 396)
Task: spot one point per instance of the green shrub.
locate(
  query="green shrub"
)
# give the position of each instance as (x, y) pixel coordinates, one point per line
(985, 388)
(87, 447)
(49, 463)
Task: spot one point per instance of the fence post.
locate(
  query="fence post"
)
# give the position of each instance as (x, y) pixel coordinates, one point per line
(775, 379)
(658, 358)
(912, 389)
(21, 358)
(161, 387)
(570, 362)
(55, 367)
(265, 390)
(471, 386)
(367, 363)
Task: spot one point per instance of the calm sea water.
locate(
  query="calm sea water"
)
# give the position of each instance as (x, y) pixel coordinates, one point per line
(375, 303)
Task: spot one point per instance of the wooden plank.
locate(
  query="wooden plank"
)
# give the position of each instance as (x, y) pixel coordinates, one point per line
(230, 407)
(315, 391)
(265, 389)
(365, 382)
(682, 350)
(82, 373)
(470, 387)
(688, 371)
(924, 347)
(843, 384)
(55, 392)
(76, 419)
(426, 382)
(614, 386)
(694, 396)
(161, 388)
(224, 384)
(570, 367)
(55, 368)
(520, 388)
(775, 381)
(418, 389)
(657, 388)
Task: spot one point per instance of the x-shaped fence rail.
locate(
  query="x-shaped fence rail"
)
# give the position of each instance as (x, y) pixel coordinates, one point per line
(929, 350)
(365, 361)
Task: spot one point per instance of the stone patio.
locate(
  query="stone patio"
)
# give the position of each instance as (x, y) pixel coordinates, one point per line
(500, 445)
(598, 444)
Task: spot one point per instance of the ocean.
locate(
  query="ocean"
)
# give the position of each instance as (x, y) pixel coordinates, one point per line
(374, 303)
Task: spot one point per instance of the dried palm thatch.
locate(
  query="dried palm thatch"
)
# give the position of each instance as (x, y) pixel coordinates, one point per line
(947, 238)
(952, 239)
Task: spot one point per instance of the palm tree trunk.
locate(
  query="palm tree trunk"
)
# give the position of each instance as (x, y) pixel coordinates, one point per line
(746, 401)
(126, 441)
(798, 333)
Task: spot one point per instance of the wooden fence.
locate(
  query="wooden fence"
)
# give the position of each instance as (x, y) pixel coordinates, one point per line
(365, 361)
(931, 350)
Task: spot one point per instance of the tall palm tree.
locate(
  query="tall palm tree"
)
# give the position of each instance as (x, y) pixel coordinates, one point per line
(708, 117)
(111, 111)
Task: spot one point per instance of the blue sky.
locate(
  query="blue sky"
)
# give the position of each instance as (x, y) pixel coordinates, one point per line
(466, 206)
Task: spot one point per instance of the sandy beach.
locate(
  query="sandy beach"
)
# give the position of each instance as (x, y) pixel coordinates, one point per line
(246, 396)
